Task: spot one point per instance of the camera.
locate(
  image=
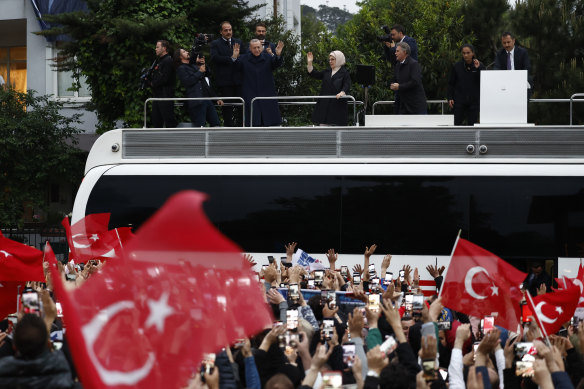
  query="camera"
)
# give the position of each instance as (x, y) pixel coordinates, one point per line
(146, 77)
(200, 41)
(387, 36)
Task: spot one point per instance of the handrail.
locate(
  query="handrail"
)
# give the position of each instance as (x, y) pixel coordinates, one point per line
(441, 102)
(301, 97)
(572, 101)
(193, 99)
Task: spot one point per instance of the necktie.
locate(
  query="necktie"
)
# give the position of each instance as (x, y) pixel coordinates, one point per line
(508, 61)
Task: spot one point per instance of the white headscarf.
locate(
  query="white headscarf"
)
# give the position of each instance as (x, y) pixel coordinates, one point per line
(339, 60)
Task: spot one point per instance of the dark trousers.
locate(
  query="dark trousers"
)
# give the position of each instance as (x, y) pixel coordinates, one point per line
(232, 114)
(466, 111)
(201, 112)
(163, 114)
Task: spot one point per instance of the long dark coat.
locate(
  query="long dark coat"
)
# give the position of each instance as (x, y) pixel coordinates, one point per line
(411, 91)
(331, 111)
(258, 80)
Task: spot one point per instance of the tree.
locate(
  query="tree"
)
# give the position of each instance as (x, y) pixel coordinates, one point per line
(116, 38)
(332, 17)
(36, 149)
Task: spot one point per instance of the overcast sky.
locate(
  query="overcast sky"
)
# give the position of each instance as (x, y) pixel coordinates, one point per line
(351, 6)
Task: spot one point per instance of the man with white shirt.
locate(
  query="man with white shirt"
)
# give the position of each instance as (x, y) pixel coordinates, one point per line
(512, 57)
(407, 81)
(228, 78)
(260, 34)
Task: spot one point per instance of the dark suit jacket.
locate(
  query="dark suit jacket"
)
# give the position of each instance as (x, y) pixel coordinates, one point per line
(390, 51)
(520, 59)
(226, 73)
(331, 111)
(411, 91)
(163, 77)
(194, 82)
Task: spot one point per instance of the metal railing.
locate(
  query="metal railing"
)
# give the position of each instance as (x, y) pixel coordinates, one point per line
(572, 101)
(195, 99)
(391, 102)
(353, 101)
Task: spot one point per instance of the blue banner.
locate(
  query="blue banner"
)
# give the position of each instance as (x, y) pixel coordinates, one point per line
(54, 7)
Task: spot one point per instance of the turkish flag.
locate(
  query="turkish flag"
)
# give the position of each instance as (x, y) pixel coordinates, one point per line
(552, 310)
(181, 289)
(479, 283)
(567, 283)
(20, 262)
(90, 238)
(9, 291)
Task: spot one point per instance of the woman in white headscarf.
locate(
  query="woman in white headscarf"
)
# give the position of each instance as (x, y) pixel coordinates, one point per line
(335, 81)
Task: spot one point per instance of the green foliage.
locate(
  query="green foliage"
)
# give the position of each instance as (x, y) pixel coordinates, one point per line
(116, 39)
(35, 150)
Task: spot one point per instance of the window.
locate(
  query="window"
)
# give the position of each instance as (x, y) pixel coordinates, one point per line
(13, 67)
(66, 84)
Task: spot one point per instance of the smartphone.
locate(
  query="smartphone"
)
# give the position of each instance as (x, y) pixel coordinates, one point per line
(208, 363)
(444, 373)
(526, 314)
(345, 271)
(318, 277)
(429, 368)
(356, 278)
(429, 330)
(292, 319)
(293, 291)
(327, 328)
(332, 299)
(402, 275)
(324, 296)
(444, 325)
(31, 302)
(388, 346)
(373, 302)
(59, 309)
(374, 285)
(417, 302)
(270, 259)
(525, 354)
(388, 278)
(488, 324)
(311, 283)
(332, 380)
(349, 354)
(409, 299)
(371, 270)
(264, 267)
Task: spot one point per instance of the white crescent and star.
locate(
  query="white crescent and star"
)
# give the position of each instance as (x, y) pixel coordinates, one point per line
(543, 317)
(468, 283)
(159, 311)
(6, 253)
(79, 245)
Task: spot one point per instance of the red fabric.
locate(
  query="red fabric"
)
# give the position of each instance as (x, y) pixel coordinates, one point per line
(551, 310)
(9, 297)
(479, 283)
(90, 238)
(20, 262)
(181, 290)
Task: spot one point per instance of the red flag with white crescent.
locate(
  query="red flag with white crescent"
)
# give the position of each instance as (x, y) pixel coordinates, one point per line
(180, 290)
(552, 310)
(20, 262)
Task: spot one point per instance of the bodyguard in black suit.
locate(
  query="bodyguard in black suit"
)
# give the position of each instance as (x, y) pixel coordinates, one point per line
(260, 34)
(228, 78)
(398, 35)
(163, 81)
(512, 57)
(464, 87)
(407, 79)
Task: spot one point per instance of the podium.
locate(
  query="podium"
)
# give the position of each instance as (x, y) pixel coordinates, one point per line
(503, 97)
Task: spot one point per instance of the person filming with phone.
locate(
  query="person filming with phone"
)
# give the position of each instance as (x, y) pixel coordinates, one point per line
(464, 87)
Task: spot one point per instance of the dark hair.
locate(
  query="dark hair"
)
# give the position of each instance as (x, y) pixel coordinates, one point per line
(393, 376)
(398, 28)
(471, 47)
(165, 44)
(222, 23)
(30, 336)
(507, 33)
(177, 59)
(279, 381)
(261, 24)
(314, 303)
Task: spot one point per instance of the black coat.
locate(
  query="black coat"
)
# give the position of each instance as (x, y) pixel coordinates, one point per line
(411, 91)
(224, 69)
(163, 77)
(258, 80)
(331, 111)
(49, 370)
(464, 83)
(520, 61)
(390, 51)
(193, 81)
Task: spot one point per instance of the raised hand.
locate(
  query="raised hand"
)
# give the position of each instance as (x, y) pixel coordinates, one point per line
(309, 57)
(332, 258)
(279, 48)
(249, 259)
(357, 269)
(369, 251)
(385, 263)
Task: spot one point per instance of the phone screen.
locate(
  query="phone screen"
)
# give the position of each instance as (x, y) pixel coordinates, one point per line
(356, 278)
(349, 354)
(332, 299)
(371, 270)
(208, 363)
(488, 324)
(429, 368)
(402, 275)
(344, 270)
(327, 328)
(332, 379)
(525, 354)
(292, 319)
(318, 277)
(31, 302)
(388, 346)
(373, 302)
(417, 302)
(388, 278)
(311, 283)
(294, 291)
(409, 301)
(526, 313)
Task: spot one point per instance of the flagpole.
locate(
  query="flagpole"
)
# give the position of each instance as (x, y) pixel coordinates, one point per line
(448, 267)
(537, 321)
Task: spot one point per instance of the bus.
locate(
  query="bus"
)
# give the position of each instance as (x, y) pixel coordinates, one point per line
(349, 188)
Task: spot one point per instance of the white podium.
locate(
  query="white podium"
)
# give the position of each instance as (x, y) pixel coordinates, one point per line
(504, 97)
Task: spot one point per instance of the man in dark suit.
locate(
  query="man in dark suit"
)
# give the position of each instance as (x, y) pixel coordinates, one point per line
(260, 34)
(407, 80)
(163, 81)
(228, 77)
(397, 35)
(512, 57)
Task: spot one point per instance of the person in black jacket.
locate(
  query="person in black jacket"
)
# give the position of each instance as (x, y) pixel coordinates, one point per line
(228, 77)
(512, 57)
(193, 77)
(464, 87)
(407, 81)
(163, 82)
(335, 81)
